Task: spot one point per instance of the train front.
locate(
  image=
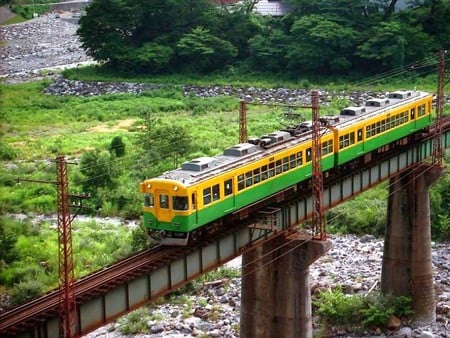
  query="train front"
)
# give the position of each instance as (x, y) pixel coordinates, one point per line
(169, 213)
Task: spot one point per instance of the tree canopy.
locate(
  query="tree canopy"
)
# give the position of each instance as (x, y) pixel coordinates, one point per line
(314, 36)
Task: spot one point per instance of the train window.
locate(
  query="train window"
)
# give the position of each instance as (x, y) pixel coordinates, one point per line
(264, 173)
(413, 113)
(285, 163)
(256, 176)
(164, 201)
(216, 192)
(299, 158)
(278, 167)
(206, 196)
(343, 141)
(292, 162)
(421, 110)
(241, 182)
(149, 200)
(271, 169)
(383, 125)
(378, 128)
(327, 147)
(248, 179)
(404, 117)
(180, 203)
(308, 155)
(360, 135)
(228, 187)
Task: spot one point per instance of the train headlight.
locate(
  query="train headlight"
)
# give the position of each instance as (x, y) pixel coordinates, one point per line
(175, 188)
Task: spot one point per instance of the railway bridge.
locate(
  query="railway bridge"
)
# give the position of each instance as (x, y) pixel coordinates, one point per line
(275, 301)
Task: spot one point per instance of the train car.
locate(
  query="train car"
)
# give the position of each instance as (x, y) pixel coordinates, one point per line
(180, 204)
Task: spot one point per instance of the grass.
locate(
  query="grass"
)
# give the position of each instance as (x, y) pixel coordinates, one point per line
(13, 20)
(236, 78)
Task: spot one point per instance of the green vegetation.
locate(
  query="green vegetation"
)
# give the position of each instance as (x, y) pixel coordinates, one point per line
(315, 37)
(359, 312)
(29, 253)
(118, 140)
(26, 12)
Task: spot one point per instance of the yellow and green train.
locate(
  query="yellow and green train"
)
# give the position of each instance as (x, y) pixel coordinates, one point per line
(179, 203)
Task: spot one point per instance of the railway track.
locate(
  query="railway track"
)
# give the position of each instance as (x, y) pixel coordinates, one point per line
(28, 314)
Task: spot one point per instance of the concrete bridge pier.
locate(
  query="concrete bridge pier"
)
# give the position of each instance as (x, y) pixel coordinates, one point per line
(407, 265)
(276, 294)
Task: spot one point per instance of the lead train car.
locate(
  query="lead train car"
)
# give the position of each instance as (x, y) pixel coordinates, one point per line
(180, 202)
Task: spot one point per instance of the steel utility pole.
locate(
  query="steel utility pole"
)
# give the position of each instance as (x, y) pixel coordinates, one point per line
(438, 152)
(66, 279)
(318, 218)
(242, 122)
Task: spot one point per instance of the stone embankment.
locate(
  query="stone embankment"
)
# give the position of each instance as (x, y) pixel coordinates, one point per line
(353, 263)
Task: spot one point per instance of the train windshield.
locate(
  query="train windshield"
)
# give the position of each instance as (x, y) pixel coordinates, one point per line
(180, 203)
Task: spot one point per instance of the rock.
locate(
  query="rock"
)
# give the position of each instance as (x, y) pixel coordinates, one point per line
(157, 328)
(404, 332)
(394, 323)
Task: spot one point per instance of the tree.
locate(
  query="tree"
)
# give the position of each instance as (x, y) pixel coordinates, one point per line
(162, 145)
(268, 50)
(206, 51)
(117, 147)
(106, 29)
(140, 34)
(99, 170)
(321, 44)
(394, 44)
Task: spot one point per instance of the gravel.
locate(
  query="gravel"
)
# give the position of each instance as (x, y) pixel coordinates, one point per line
(39, 48)
(353, 263)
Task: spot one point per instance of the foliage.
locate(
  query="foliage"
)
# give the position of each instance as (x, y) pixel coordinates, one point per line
(117, 146)
(25, 291)
(206, 51)
(440, 215)
(8, 239)
(135, 322)
(161, 141)
(365, 214)
(315, 36)
(28, 11)
(336, 308)
(349, 311)
(99, 170)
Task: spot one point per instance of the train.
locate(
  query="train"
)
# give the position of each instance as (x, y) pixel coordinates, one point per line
(182, 204)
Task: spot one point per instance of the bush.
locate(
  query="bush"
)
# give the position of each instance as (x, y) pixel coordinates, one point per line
(135, 322)
(350, 311)
(25, 291)
(336, 308)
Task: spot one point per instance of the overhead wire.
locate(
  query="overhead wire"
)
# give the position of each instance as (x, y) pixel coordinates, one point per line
(427, 63)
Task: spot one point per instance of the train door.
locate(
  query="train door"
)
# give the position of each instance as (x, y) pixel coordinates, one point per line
(162, 206)
(194, 205)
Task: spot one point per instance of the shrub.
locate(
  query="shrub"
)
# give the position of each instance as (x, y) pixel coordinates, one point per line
(336, 308)
(350, 311)
(25, 291)
(135, 322)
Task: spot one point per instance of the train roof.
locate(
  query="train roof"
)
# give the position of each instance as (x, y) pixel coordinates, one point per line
(200, 168)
